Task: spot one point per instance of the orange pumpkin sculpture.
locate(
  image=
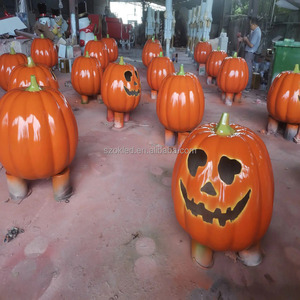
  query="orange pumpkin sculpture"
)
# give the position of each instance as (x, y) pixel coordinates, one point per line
(223, 191)
(213, 64)
(86, 77)
(8, 61)
(21, 75)
(121, 91)
(283, 102)
(180, 105)
(201, 52)
(98, 49)
(38, 134)
(233, 78)
(44, 52)
(112, 48)
(158, 70)
(151, 49)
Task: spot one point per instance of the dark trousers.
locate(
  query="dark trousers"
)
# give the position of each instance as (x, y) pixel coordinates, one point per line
(249, 57)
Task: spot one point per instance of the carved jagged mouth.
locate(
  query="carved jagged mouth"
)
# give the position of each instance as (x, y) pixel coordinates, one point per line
(131, 93)
(208, 216)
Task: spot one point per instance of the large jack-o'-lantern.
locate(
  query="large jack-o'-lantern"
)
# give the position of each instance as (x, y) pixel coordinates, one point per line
(121, 91)
(223, 189)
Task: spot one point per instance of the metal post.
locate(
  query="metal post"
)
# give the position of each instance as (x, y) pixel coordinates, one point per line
(168, 26)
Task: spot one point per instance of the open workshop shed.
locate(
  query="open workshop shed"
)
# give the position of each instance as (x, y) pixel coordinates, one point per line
(114, 233)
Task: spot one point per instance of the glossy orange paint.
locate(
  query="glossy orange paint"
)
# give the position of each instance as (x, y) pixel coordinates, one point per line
(180, 102)
(98, 50)
(38, 132)
(121, 87)
(223, 192)
(158, 70)
(233, 75)
(214, 61)
(86, 75)
(201, 52)
(283, 101)
(21, 75)
(112, 48)
(151, 49)
(44, 52)
(8, 61)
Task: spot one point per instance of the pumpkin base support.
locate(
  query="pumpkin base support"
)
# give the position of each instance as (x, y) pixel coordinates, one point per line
(126, 117)
(181, 138)
(202, 255)
(99, 98)
(110, 115)
(252, 256)
(209, 80)
(223, 96)
(119, 120)
(297, 137)
(17, 187)
(84, 99)
(62, 188)
(272, 125)
(228, 99)
(170, 138)
(153, 94)
(238, 98)
(290, 131)
(201, 69)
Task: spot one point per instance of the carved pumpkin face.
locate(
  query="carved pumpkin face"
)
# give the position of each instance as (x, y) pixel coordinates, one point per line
(223, 187)
(121, 87)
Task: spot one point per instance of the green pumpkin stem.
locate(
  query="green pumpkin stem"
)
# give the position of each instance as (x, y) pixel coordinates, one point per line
(296, 70)
(153, 38)
(87, 54)
(161, 54)
(30, 62)
(121, 61)
(235, 55)
(34, 87)
(107, 36)
(42, 36)
(95, 38)
(12, 50)
(218, 48)
(181, 71)
(223, 128)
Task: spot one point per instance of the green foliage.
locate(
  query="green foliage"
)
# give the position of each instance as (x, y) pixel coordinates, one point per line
(240, 7)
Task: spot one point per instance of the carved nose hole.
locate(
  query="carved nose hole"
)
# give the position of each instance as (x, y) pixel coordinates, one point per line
(135, 83)
(209, 189)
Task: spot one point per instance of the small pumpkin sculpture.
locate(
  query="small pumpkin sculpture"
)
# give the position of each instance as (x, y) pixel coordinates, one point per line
(21, 75)
(39, 135)
(223, 190)
(201, 52)
(151, 49)
(180, 105)
(44, 52)
(232, 78)
(86, 77)
(283, 102)
(121, 91)
(158, 70)
(98, 49)
(112, 48)
(8, 61)
(213, 64)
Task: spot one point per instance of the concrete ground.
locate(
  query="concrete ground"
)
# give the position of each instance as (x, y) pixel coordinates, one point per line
(118, 237)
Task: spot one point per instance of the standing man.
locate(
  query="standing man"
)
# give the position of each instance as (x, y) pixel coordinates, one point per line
(252, 44)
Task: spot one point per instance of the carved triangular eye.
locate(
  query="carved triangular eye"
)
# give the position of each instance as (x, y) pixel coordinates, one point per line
(128, 75)
(228, 168)
(197, 158)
